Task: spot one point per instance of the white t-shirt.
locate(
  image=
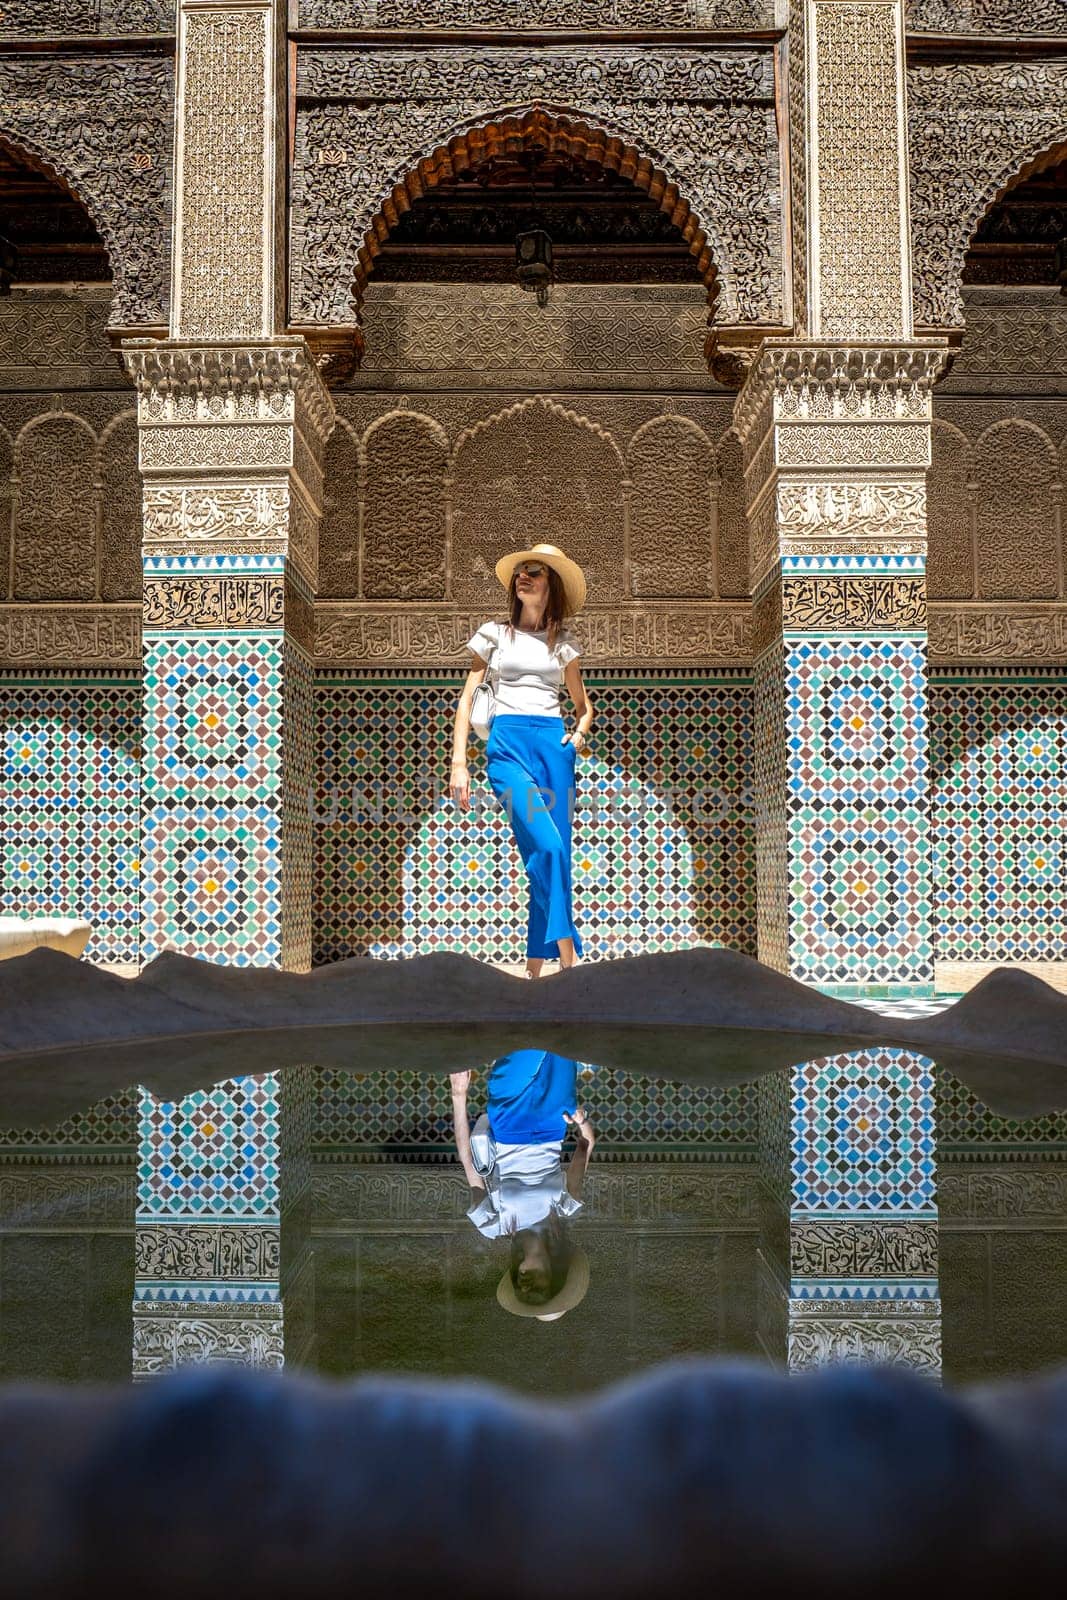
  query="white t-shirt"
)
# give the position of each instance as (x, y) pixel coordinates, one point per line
(526, 678)
(525, 1183)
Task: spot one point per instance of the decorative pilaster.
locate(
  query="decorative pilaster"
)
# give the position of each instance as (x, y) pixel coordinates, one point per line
(835, 427)
(223, 1267)
(849, 1226)
(836, 446)
(231, 448)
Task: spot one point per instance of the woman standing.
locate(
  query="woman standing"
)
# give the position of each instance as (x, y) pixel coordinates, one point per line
(530, 757)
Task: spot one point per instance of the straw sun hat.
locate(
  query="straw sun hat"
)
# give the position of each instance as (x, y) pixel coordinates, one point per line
(573, 1291)
(571, 573)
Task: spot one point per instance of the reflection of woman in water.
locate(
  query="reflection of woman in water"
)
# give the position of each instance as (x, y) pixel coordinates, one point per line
(520, 1189)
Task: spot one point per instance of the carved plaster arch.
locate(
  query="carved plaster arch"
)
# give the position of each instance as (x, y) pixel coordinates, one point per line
(430, 423)
(331, 292)
(26, 148)
(674, 417)
(45, 565)
(104, 127)
(974, 133)
(116, 422)
(537, 402)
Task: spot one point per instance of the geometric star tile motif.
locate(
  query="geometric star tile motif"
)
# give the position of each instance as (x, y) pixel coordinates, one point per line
(213, 797)
(70, 777)
(662, 838)
(856, 774)
(864, 1133)
(999, 806)
(213, 1154)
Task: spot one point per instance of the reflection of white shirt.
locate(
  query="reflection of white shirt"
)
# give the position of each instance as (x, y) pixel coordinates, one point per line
(526, 678)
(524, 1184)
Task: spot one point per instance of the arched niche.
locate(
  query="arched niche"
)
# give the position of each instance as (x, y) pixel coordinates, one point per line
(673, 510)
(55, 524)
(1018, 556)
(403, 461)
(120, 510)
(951, 571)
(531, 474)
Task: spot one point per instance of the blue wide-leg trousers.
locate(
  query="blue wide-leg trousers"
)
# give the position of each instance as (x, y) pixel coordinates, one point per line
(532, 773)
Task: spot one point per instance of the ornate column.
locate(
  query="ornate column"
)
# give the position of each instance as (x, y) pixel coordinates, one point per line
(233, 420)
(222, 1256)
(848, 1263)
(835, 426)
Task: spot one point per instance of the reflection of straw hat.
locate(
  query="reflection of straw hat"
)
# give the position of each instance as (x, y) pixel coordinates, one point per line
(571, 573)
(575, 1285)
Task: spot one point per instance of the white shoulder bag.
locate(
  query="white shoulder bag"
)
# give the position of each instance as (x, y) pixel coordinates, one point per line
(483, 700)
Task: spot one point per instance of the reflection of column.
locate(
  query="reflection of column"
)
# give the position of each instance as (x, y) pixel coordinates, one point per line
(836, 432)
(849, 1218)
(218, 1172)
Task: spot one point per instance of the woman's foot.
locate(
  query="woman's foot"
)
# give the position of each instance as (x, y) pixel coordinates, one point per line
(533, 967)
(567, 957)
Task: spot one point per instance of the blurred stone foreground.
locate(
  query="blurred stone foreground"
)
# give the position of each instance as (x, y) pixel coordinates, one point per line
(717, 1477)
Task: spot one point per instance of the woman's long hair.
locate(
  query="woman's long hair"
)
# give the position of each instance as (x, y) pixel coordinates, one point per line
(560, 1249)
(555, 608)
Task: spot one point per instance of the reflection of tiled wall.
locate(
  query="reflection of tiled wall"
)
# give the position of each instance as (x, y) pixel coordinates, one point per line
(999, 756)
(212, 1154)
(863, 1134)
(651, 871)
(69, 829)
(358, 1114)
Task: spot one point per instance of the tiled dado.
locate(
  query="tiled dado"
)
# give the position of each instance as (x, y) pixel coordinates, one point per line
(663, 839)
(70, 761)
(999, 803)
(849, 783)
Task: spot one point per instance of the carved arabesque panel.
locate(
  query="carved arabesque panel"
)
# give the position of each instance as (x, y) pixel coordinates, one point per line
(1018, 558)
(733, 523)
(405, 463)
(375, 128)
(950, 570)
(673, 485)
(7, 461)
(107, 18)
(973, 129)
(1047, 17)
(541, 473)
(339, 530)
(55, 520)
(534, 14)
(121, 516)
(104, 125)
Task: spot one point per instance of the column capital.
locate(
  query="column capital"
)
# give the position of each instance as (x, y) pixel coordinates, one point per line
(834, 381)
(240, 380)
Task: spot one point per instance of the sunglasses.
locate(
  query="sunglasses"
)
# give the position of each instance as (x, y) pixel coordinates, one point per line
(532, 569)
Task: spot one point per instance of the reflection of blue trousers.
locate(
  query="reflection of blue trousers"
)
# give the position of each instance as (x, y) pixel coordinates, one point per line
(532, 772)
(529, 1090)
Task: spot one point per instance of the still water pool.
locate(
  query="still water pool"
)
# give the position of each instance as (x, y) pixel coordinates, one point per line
(860, 1204)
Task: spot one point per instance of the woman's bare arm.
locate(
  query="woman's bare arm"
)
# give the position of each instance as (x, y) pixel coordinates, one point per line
(459, 782)
(583, 1150)
(583, 705)
(460, 1085)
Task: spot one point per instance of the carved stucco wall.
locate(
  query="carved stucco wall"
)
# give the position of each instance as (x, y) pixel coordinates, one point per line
(103, 124)
(997, 512)
(72, 489)
(534, 14)
(974, 128)
(27, 19)
(700, 120)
